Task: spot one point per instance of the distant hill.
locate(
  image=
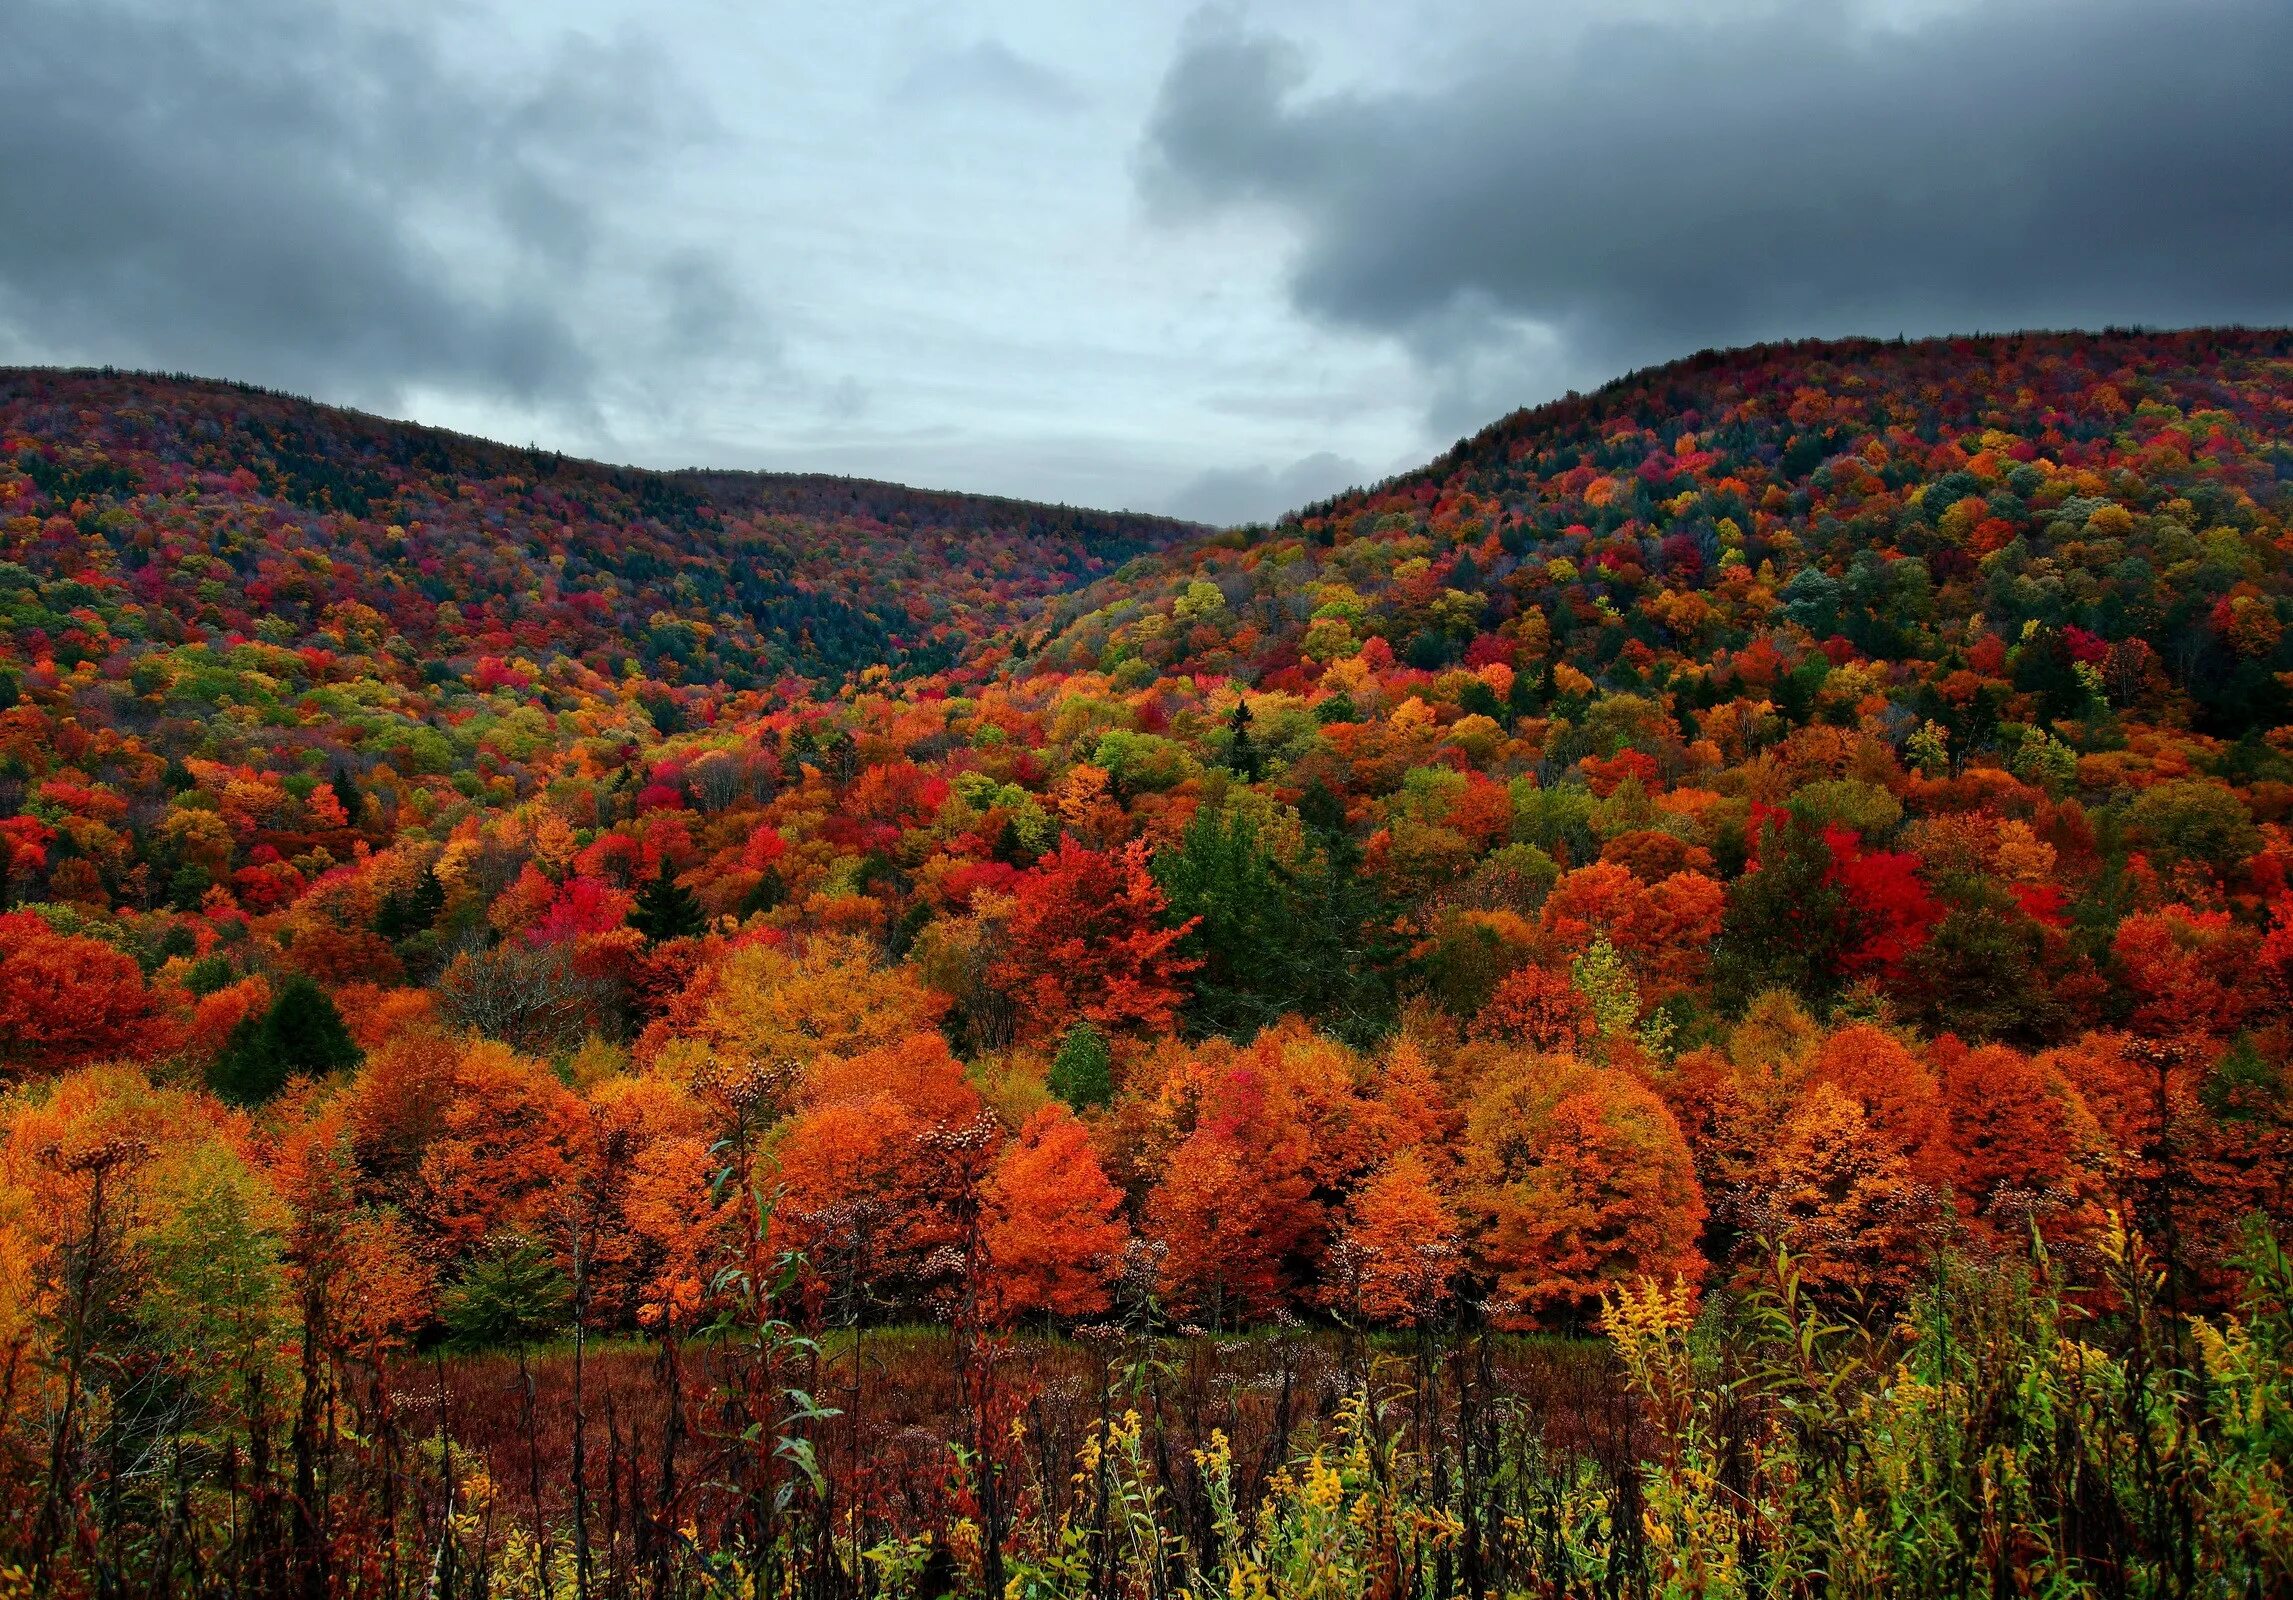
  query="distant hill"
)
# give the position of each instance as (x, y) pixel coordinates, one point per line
(1840, 788)
(168, 510)
(2107, 499)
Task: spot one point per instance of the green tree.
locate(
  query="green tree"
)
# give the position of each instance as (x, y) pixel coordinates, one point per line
(508, 1298)
(1273, 939)
(2194, 820)
(346, 793)
(1082, 1072)
(300, 1033)
(1600, 975)
(1979, 974)
(666, 909)
(1786, 921)
(215, 1302)
(1242, 757)
(402, 915)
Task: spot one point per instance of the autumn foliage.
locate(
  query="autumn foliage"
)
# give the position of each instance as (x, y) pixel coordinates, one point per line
(1824, 804)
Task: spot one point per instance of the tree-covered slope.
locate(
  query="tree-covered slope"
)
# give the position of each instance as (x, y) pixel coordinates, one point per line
(1958, 526)
(142, 514)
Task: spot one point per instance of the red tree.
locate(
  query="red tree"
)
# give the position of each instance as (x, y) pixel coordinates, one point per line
(66, 1000)
(1086, 939)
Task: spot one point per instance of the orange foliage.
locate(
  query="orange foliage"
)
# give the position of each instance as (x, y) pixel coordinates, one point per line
(2027, 1148)
(1897, 1094)
(1840, 1195)
(1579, 1180)
(1537, 1007)
(66, 1000)
(1400, 1248)
(2190, 971)
(1050, 1223)
(917, 1071)
(1086, 939)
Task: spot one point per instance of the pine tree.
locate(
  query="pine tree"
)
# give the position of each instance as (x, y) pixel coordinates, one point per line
(401, 916)
(1242, 757)
(301, 1033)
(346, 792)
(666, 909)
(507, 1299)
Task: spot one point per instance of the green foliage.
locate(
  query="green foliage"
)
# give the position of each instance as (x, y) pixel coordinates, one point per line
(1865, 808)
(1082, 1072)
(1600, 975)
(1272, 938)
(1242, 755)
(1891, 1460)
(1978, 974)
(1785, 921)
(1140, 762)
(299, 1033)
(2195, 821)
(210, 973)
(404, 914)
(215, 1297)
(514, 1295)
(666, 909)
(1557, 821)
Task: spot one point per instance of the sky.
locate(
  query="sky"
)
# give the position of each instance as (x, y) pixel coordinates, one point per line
(1208, 260)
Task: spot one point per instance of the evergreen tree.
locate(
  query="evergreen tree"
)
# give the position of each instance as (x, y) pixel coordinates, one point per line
(401, 916)
(346, 792)
(666, 909)
(301, 1033)
(1786, 922)
(1242, 756)
(1272, 938)
(1082, 1072)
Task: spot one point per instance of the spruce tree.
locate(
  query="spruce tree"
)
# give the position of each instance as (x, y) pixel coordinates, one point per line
(1242, 757)
(301, 1033)
(666, 909)
(510, 1297)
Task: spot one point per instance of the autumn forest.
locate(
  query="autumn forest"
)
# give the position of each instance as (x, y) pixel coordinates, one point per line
(1695, 998)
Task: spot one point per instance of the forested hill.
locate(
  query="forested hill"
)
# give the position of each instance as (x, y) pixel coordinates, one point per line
(1913, 509)
(153, 512)
(1834, 793)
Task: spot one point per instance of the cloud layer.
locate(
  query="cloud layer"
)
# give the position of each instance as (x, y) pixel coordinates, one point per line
(288, 193)
(1227, 495)
(911, 243)
(1660, 187)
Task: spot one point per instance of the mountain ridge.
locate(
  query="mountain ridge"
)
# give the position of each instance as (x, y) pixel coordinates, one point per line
(805, 572)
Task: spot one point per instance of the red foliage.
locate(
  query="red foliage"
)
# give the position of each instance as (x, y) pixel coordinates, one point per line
(65, 1000)
(1086, 939)
(1890, 910)
(2189, 971)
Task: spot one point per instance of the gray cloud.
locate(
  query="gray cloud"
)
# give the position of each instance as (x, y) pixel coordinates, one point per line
(1544, 219)
(285, 192)
(989, 69)
(702, 309)
(1226, 496)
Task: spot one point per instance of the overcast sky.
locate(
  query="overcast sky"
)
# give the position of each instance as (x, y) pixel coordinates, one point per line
(1213, 261)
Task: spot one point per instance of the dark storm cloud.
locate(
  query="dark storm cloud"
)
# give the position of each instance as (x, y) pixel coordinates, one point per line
(1658, 188)
(273, 190)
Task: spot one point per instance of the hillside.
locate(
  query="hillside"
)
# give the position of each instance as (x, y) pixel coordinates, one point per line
(181, 512)
(1763, 835)
(2112, 493)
